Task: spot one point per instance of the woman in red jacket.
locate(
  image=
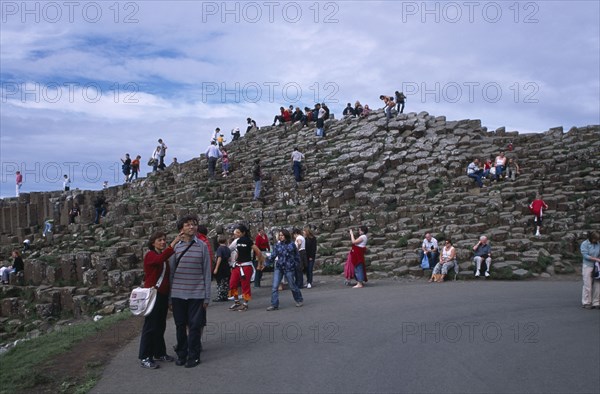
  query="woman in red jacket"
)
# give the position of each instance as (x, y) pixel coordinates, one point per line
(156, 274)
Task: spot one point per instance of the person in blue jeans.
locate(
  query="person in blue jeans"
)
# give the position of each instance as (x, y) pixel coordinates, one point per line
(286, 258)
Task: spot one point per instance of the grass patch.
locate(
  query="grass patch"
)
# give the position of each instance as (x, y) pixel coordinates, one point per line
(28, 356)
(326, 251)
(402, 242)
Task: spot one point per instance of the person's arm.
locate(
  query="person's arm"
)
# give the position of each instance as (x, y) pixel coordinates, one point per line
(423, 247)
(476, 246)
(217, 265)
(452, 254)
(585, 250)
(259, 256)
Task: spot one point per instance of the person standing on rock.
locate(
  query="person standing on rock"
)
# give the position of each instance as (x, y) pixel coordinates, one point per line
(537, 207)
(135, 168)
(156, 274)
(388, 105)
(400, 98)
(297, 158)
(257, 177)
(190, 291)
(321, 113)
(483, 252)
(311, 254)
(212, 155)
(590, 251)
(162, 152)
(300, 242)
(19, 181)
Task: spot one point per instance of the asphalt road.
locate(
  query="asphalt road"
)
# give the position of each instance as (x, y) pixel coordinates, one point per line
(392, 336)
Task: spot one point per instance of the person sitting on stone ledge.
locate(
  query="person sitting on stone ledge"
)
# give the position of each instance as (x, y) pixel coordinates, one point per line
(348, 111)
(447, 262)
(358, 108)
(308, 116)
(297, 116)
(430, 247)
(512, 169)
(474, 172)
(283, 117)
(487, 167)
(366, 111)
(251, 126)
(483, 252)
(16, 267)
(500, 165)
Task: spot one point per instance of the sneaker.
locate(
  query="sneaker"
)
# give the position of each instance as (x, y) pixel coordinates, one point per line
(309, 286)
(477, 273)
(192, 363)
(243, 308)
(235, 306)
(299, 304)
(148, 363)
(166, 358)
(487, 274)
(272, 308)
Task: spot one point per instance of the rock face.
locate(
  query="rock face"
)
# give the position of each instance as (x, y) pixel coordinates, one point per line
(401, 178)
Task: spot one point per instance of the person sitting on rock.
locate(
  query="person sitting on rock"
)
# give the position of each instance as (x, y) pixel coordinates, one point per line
(487, 167)
(251, 125)
(447, 261)
(297, 116)
(308, 116)
(512, 169)
(429, 247)
(16, 267)
(283, 117)
(366, 111)
(348, 111)
(483, 252)
(500, 165)
(474, 172)
(358, 108)
(235, 133)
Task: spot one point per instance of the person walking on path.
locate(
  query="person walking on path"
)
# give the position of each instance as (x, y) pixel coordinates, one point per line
(286, 257)
(590, 251)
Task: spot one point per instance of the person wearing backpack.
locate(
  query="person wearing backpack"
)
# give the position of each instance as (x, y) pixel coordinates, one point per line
(590, 251)
(400, 98)
(286, 258)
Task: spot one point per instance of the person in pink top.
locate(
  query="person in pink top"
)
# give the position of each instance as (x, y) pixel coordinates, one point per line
(537, 207)
(19, 180)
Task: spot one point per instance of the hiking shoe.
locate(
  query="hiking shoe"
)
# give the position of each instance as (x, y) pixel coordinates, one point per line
(272, 308)
(299, 304)
(235, 306)
(487, 274)
(243, 308)
(477, 273)
(166, 358)
(148, 363)
(308, 286)
(191, 363)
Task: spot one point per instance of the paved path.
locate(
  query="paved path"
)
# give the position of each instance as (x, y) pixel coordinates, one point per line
(392, 336)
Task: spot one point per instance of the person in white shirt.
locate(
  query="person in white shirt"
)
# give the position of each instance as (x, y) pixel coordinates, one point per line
(297, 158)
(301, 245)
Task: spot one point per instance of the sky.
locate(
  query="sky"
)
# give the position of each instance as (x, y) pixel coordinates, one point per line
(84, 82)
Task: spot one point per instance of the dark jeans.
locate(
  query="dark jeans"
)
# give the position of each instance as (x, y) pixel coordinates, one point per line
(152, 343)
(309, 270)
(398, 108)
(297, 171)
(477, 177)
(257, 275)
(300, 268)
(212, 165)
(99, 212)
(189, 319)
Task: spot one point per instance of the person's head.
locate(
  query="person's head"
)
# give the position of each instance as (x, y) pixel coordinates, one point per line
(202, 229)
(284, 236)
(367, 106)
(213, 142)
(357, 103)
(248, 120)
(296, 231)
(281, 109)
(349, 105)
(16, 253)
(174, 160)
(483, 239)
(157, 241)
(138, 157)
(308, 232)
(18, 172)
(501, 154)
(317, 105)
(222, 240)
(476, 160)
(381, 97)
(594, 237)
(241, 230)
(237, 129)
(126, 155)
(188, 224)
(217, 129)
(428, 236)
(363, 229)
(396, 92)
(448, 242)
(160, 141)
(261, 231)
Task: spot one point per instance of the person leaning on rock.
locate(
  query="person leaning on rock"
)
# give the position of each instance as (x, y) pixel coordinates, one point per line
(483, 252)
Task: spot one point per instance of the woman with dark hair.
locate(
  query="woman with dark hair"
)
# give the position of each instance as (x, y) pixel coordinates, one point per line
(356, 257)
(311, 254)
(16, 267)
(242, 272)
(288, 259)
(590, 250)
(156, 274)
(447, 261)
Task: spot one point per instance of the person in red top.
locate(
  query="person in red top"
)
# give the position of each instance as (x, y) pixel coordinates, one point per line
(203, 236)
(262, 242)
(537, 207)
(19, 180)
(152, 342)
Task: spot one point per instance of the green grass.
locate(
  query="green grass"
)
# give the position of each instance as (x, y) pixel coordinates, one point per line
(20, 362)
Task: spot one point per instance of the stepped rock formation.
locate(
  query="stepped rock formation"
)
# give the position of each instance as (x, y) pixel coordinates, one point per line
(401, 178)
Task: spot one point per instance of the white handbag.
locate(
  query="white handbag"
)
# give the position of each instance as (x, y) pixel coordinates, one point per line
(142, 300)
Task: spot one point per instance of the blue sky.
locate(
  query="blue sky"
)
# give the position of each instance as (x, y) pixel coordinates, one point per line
(83, 83)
